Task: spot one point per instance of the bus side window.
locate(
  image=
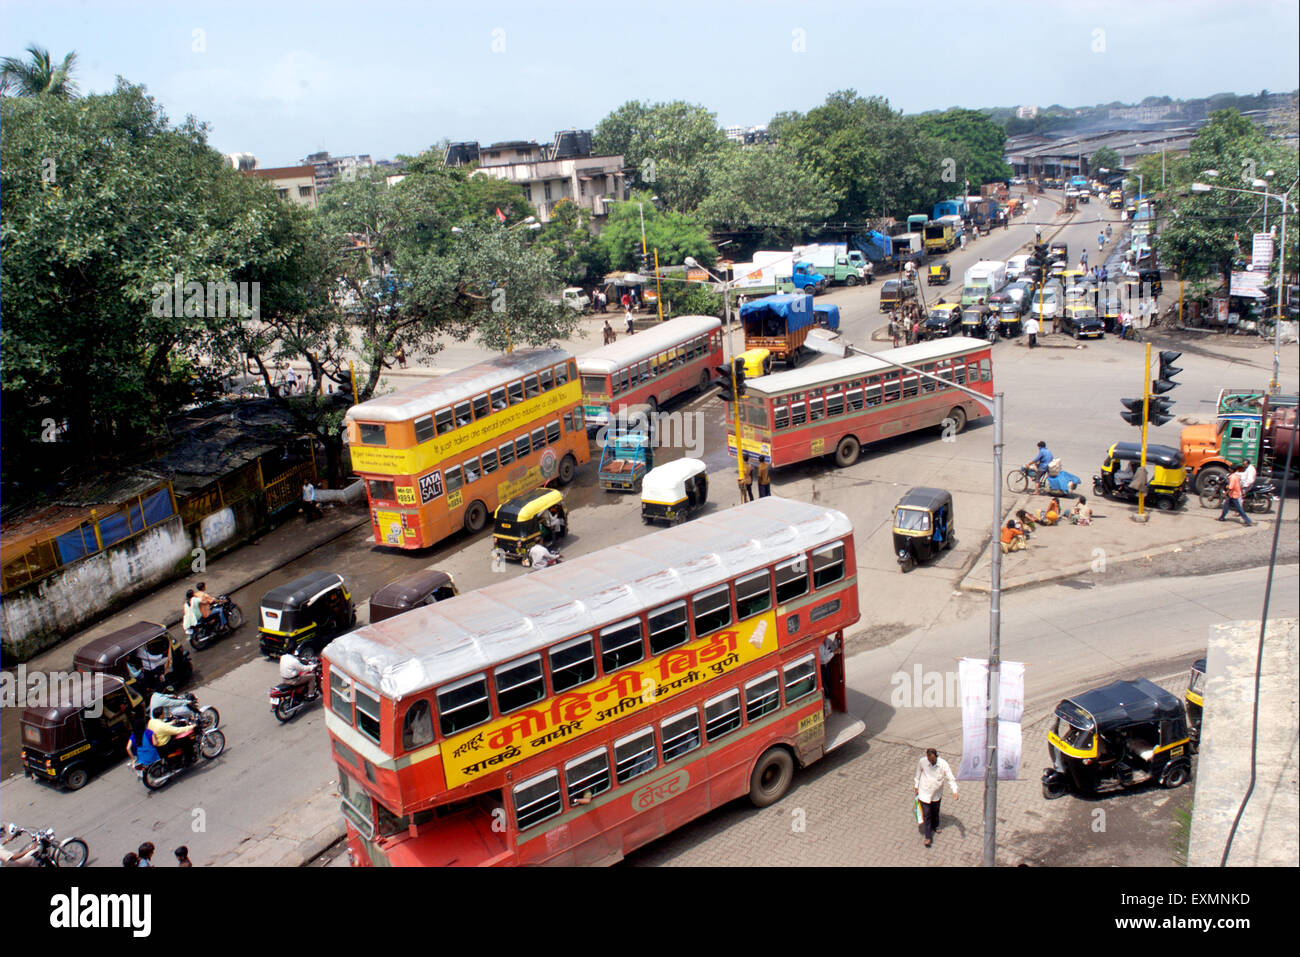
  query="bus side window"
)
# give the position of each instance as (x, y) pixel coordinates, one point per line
(928, 385)
(507, 451)
(635, 755)
(568, 422)
(816, 409)
(782, 417)
(910, 386)
(791, 579)
(463, 705)
(800, 678)
(472, 471)
(444, 421)
(572, 663)
(986, 370)
(620, 645)
(572, 366)
(424, 429)
(521, 447)
(417, 726)
(499, 399)
(531, 388)
(537, 799)
(835, 403)
(489, 462)
(616, 383)
(561, 375)
(855, 399)
(625, 378)
(481, 406)
(553, 432)
(959, 369)
(722, 715)
(516, 391)
(453, 478)
(753, 594)
(519, 683)
(893, 387)
(668, 627)
(463, 414)
(828, 564)
(798, 414)
(587, 776)
(539, 438)
(680, 734)
(762, 695)
(712, 610)
(547, 382)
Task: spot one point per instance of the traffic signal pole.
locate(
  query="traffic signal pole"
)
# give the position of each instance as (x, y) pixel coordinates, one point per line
(740, 441)
(1146, 415)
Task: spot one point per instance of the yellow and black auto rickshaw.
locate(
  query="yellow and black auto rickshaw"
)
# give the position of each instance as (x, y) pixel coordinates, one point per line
(1165, 474)
(1126, 733)
(922, 526)
(757, 362)
(308, 612)
(521, 523)
(938, 274)
(1195, 699)
(69, 740)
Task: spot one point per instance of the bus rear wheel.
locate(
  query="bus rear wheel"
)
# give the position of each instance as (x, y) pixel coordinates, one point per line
(567, 468)
(771, 777)
(957, 418)
(704, 382)
(846, 453)
(475, 517)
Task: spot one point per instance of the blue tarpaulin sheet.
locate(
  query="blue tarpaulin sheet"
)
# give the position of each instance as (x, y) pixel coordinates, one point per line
(827, 315)
(777, 315)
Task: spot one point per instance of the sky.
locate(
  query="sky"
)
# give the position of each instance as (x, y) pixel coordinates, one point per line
(282, 78)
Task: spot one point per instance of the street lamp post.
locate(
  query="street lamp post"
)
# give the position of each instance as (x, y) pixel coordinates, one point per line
(816, 340)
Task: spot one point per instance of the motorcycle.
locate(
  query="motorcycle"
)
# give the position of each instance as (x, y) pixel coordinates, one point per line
(207, 717)
(178, 756)
(1258, 499)
(209, 628)
(50, 851)
(288, 699)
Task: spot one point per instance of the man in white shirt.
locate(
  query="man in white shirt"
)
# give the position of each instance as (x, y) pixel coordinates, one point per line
(1248, 477)
(295, 672)
(931, 773)
(540, 556)
(1031, 330)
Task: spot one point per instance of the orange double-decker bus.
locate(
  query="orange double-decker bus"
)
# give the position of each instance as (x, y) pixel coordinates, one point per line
(444, 454)
(576, 713)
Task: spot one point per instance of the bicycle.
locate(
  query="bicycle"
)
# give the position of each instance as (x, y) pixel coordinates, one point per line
(1019, 479)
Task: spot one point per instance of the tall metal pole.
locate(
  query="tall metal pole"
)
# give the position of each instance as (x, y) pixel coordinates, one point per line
(1276, 387)
(995, 649)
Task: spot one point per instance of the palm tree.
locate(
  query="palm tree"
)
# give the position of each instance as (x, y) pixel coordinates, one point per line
(38, 75)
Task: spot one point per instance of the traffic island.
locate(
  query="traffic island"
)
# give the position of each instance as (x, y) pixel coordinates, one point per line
(1066, 552)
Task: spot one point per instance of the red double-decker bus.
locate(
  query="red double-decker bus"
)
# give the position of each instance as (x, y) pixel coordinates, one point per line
(650, 367)
(838, 407)
(573, 714)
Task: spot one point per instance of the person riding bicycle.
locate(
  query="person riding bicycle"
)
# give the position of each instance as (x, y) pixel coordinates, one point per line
(1038, 464)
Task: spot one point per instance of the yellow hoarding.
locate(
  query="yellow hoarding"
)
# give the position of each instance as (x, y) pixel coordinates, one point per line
(383, 461)
(516, 736)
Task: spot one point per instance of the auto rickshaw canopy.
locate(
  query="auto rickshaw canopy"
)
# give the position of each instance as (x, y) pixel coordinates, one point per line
(302, 592)
(757, 362)
(57, 715)
(105, 653)
(407, 593)
(1163, 455)
(942, 269)
(1120, 704)
(528, 506)
(666, 484)
(920, 501)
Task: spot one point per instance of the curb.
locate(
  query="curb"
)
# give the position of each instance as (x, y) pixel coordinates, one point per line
(1077, 570)
(314, 846)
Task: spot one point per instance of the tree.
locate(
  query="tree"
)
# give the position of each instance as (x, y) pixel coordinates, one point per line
(972, 140)
(675, 235)
(668, 146)
(1104, 159)
(767, 190)
(38, 75)
(579, 257)
(110, 215)
(692, 299)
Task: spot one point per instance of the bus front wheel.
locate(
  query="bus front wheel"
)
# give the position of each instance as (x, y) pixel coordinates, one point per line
(771, 777)
(567, 467)
(475, 517)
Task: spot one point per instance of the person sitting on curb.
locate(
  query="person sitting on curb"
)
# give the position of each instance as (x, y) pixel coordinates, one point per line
(1025, 522)
(1053, 513)
(1081, 514)
(1013, 539)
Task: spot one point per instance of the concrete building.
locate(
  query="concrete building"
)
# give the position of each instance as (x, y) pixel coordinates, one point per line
(1026, 112)
(1064, 156)
(330, 168)
(296, 184)
(566, 169)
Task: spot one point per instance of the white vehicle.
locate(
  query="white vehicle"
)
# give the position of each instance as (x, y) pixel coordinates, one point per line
(1046, 303)
(573, 298)
(982, 280)
(1016, 267)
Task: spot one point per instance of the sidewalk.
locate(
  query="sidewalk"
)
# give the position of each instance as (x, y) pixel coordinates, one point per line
(1065, 551)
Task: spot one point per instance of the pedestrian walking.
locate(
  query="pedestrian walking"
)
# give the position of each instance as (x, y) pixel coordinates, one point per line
(747, 483)
(764, 478)
(627, 318)
(182, 856)
(893, 331)
(932, 772)
(310, 510)
(608, 332)
(963, 240)
(1233, 499)
(1101, 241)
(400, 356)
(1031, 330)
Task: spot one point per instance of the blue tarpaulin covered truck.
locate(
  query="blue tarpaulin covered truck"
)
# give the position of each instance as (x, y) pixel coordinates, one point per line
(778, 324)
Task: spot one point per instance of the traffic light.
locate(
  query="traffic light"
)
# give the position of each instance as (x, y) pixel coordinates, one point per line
(643, 263)
(724, 383)
(739, 365)
(1159, 411)
(1134, 414)
(1165, 379)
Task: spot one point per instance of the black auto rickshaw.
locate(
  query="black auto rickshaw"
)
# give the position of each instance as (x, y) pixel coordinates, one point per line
(144, 656)
(671, 492)
(68, 741)
(938, 273)
(307, 612)
(975, 321)
(1165, 475)
(414, 591)
(1194, 696)
(922, 526)
(1126, 733)
(520, 523)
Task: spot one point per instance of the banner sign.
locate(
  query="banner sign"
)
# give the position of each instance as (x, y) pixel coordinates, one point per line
(973, 673)
(1261, 251)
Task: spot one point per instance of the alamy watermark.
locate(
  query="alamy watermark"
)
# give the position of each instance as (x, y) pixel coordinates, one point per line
(206, 300)
(56, 689)
(667, 430)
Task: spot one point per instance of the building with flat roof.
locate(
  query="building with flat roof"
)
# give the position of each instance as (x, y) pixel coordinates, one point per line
(296, 184)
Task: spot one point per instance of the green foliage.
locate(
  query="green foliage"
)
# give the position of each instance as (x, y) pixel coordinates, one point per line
(37, 75)
(972, 140)
(675, 235)
(668, 147)
(767, 190)
(1105, 158)
(691, 299)
(579, 258)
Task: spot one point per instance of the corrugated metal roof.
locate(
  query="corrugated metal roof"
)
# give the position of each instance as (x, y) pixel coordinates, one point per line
(460, 636)
(648, 344)
(863, 365)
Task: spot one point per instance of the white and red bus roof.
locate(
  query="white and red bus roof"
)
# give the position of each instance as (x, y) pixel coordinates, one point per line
(457, 386)
(825, 373)
(461, 636)
(646, 345)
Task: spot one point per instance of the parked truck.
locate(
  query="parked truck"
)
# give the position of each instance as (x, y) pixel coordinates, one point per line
(981, 210)
(1252, 427)
(764, 279)
(950, 207)
(916, 222)
(908, 247)
(836, 262)
(982, 280)
(627, 451)
(778, 324)
(940, 237)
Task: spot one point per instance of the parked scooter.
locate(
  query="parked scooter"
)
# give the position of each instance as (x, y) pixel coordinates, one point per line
(209, 628)
(50, 851)
(179, 755)
(288, 699)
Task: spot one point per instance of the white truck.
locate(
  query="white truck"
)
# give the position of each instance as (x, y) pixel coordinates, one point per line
(573, 298)
(982, 280)
(836, 262)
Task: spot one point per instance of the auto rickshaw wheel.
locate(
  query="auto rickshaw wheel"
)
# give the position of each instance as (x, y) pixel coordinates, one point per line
(1165, 503)
(1176, 776)
(75, 778)
(567, 469)
(475, 517)
(846, 453)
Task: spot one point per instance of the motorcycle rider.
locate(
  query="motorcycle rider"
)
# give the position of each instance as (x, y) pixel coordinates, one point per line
(190, 620)
(170, 704)
(163, 732)
(294, 671)
(1038, 464)
(208, 604)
